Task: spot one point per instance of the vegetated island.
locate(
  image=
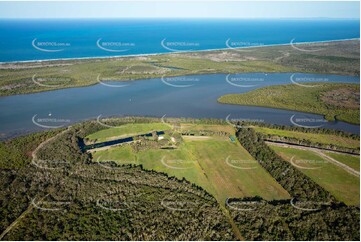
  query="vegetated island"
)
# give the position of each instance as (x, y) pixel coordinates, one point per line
(336, 57)
(333, 100)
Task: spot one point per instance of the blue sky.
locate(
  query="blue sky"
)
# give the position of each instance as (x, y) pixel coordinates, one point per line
(177, 9)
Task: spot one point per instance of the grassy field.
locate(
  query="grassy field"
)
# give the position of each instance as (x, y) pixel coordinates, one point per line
(315, 138)
(349, 160)
(223, 168)
(124, 131)
(329, 99)
(86, 200)
(216, 127)
(344, 186)
(17, 78)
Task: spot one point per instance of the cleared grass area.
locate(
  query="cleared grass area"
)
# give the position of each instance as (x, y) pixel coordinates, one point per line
(121, 154)
(349, 160)
(123, 131)
(196, 138)
(316, 138)
(223, 168)
(233, 172)
(225, 128)
(329, 99)
(344, 186)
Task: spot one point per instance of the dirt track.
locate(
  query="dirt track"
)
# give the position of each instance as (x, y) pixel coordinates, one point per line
(323, 155)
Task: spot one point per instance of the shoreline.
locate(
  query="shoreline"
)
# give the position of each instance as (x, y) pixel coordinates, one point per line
(170, 52)
(265, 105)
(21, 133)
(145, 79)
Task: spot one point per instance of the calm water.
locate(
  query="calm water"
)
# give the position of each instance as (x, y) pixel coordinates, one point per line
(78, 38)
(117, 141)
(189, 96)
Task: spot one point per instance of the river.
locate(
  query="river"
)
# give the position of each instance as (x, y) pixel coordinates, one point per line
(187, 96)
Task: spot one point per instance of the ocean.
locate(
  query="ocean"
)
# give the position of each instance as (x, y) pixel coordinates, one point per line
(26, 40)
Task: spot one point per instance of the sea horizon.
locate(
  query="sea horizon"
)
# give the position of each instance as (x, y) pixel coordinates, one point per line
(23, 39)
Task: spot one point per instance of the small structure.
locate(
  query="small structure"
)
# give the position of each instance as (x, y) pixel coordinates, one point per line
(232, 139)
